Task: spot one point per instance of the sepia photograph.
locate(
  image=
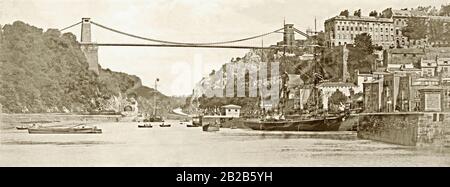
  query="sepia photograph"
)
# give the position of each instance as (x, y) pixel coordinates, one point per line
(224, 83)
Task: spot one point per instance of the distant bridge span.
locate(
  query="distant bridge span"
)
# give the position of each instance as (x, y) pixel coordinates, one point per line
(181, 45)
(90, 49)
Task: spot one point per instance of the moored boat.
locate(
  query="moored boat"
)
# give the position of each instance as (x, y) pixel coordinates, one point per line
(165, 125)
(210, 128)
(23, 127)
(211, 123)
(146, 126)
(192, 125)
(311, 124)
(78, 129)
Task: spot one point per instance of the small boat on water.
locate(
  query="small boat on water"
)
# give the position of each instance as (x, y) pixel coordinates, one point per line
(145, 126)
(23, 127)
(192, 125)
(78, 129)
(210, 128)
(165, 125)
(211, 123)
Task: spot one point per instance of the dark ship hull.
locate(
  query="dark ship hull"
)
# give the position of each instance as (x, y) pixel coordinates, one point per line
(322, 124)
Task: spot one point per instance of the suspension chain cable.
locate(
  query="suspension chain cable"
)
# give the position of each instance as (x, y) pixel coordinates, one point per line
(193, 44)
(71, 26)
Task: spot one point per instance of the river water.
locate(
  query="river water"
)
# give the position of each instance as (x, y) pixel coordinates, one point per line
(123, 144)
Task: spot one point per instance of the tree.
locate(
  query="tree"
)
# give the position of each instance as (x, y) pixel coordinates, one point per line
(361, 56)
(344, 13)
(416, 29)
(337, 98)
(373, 13)
(364, 42)
(213, 72)
(439, 31)
(357, 13)
(445, 10)
(387, 13)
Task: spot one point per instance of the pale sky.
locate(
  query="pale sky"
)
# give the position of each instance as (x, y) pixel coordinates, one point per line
(186, 21)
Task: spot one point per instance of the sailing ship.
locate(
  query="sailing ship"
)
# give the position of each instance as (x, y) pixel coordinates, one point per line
(316, 122)
(154, 117)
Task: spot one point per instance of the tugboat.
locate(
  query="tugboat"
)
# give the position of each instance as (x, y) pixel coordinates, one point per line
(78, 129)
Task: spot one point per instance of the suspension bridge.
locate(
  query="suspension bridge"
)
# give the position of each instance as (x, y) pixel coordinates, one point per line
(90, 48)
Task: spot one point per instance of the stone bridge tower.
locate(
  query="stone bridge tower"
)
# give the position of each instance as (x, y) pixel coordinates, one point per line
(289, 35)
(89, 49)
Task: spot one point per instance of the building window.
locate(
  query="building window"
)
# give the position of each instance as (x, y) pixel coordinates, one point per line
(405, 55)
(338, 28)
(414, 55)
(235, 110)
(347, 28)
(351, 28)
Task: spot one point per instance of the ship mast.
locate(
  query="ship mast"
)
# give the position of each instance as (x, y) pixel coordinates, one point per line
(154, 97)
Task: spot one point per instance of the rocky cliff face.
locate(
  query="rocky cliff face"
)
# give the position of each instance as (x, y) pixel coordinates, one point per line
(250, 62)
(47, 72)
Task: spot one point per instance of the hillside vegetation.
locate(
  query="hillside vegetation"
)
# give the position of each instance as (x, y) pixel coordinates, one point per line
(47, 72)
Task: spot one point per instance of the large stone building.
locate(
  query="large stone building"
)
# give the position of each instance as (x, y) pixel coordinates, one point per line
(400, 19)
(386, 30)
(342, 30)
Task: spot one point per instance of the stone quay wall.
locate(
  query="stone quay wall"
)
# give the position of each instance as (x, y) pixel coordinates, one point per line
(409, 128)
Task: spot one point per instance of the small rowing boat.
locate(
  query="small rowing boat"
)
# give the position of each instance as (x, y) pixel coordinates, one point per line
(146, 126)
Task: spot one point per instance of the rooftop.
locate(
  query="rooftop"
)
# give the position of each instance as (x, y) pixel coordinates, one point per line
(362, 18)
(231, 106)
(406, 51)
(336, 84)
